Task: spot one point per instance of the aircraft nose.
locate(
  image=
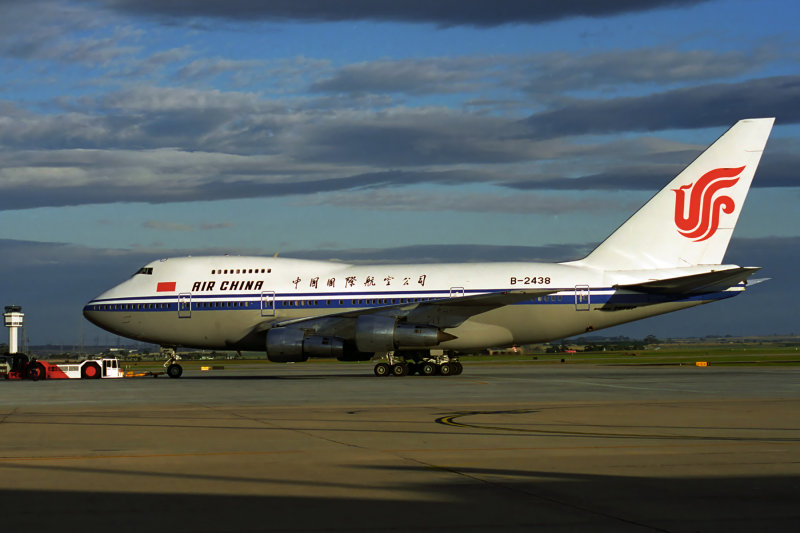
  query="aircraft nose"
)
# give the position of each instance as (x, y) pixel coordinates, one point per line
(91, 312)
(97, 311)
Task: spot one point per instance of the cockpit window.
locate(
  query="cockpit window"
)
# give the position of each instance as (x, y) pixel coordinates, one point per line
(145, 270)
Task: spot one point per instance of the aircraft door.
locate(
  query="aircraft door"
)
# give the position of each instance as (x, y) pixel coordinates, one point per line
(185, 305)
(456, 292)
(268, 303)
(582, 298)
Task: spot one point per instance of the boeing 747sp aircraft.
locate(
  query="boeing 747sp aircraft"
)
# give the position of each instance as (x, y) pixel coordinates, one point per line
(418, 318)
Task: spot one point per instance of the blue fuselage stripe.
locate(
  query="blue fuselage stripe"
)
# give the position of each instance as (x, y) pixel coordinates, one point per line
(294, 301)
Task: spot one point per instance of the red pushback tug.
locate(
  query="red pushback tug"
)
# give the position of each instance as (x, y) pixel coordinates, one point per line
(18, 366)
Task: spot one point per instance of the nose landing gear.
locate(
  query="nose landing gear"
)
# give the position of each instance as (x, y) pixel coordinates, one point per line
(174, 370)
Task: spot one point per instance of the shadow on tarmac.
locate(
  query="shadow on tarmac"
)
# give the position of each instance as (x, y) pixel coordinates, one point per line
(479, 500)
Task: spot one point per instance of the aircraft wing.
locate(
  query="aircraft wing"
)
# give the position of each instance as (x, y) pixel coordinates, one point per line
(442, 313)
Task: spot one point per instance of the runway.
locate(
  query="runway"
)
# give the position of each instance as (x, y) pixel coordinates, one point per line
(318, 446)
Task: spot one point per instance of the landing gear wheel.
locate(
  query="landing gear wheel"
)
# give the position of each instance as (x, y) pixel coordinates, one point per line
(413, 368)
(445, 369)
(382, 369)
(90, 371)
(174, 370)
(427, 369)
(458, 368)
(36, 372)
(400, 370)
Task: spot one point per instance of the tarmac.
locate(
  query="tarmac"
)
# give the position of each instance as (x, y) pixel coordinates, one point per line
(330, 447)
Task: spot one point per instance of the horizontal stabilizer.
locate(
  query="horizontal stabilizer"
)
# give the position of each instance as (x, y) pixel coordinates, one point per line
(695, 284)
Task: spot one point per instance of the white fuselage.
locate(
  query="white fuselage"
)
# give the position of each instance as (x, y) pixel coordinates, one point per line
(229, 302)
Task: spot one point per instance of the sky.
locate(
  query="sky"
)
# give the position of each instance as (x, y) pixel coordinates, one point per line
(414, 131)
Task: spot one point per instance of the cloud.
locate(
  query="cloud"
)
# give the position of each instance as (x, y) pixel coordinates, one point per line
(78, 177)
(207, 67)
(778, 168)
(720, 104)
(614, 70)
(54, 30)
(220, 225)
(441, 12)
(545, 76)
(161, 225)
(150, 65)
(446, 253)
(487, 202)
(160, 144)
(411, 76)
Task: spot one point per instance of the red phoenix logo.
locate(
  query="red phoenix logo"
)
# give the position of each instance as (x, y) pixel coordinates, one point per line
(702, 219)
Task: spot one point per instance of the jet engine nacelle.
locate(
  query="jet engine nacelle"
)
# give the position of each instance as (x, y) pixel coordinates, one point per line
(383, 334)
(291, 345)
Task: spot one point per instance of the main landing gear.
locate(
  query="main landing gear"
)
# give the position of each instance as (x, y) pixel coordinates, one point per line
(174, 370)
(398, 365)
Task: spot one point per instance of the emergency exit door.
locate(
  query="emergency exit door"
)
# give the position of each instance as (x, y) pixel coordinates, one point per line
(184, 305)
(582, 298)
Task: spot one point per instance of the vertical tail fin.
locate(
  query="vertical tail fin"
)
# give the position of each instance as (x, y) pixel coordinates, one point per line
(691, 220)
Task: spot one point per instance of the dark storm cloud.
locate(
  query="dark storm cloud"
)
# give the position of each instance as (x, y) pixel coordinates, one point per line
(410, 76)
(24, 197)
(53, 281)
(623, 178)
(609, 70)
(241, 123)
(720, 104)
(414, 137)
(450, 253)
(775, 170)
(544, 76)
(238, 145)
(764, 309)
(45, 29)
(482, 13)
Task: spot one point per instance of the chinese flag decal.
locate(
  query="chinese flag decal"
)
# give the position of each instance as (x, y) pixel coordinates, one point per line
(165, 286)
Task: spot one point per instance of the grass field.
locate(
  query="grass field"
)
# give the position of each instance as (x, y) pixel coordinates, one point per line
(716, 355)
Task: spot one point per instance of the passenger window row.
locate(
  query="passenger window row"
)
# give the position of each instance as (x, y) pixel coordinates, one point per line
(374, 301)
(241, 271)
(552, 298)
(249, 304)
(129, 307)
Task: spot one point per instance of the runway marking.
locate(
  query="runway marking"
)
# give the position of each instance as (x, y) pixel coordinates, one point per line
(450, 420)
(140, 456)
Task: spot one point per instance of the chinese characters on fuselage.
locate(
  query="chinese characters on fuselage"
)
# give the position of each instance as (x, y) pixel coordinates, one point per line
(353, 281)
(312, 283)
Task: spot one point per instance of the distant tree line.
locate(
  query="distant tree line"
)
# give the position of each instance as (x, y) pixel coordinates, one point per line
(619, 344)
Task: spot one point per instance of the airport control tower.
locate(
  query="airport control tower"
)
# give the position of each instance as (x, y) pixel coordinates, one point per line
(13, 319)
